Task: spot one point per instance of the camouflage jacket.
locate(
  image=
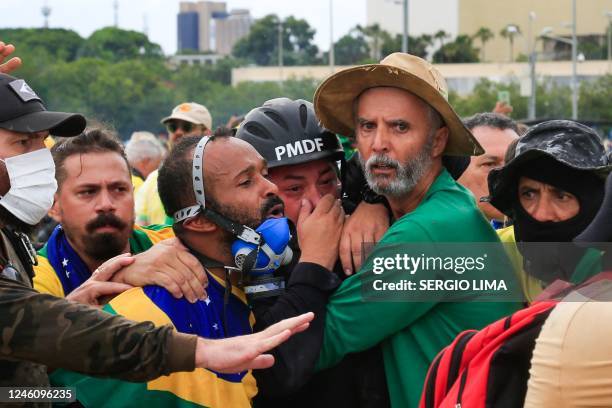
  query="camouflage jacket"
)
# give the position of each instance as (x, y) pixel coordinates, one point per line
(41, 330)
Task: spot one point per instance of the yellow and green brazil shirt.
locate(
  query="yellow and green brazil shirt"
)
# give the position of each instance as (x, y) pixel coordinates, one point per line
(148, 206)
(60, 270)
(201, 387)
(207, 319)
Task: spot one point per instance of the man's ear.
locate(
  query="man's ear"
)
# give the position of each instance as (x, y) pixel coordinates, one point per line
(439, 142)
(55, 211)
(200, 224)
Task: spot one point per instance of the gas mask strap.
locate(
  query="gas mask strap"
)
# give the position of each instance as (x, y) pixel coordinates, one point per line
(198, 184)
(241, 231)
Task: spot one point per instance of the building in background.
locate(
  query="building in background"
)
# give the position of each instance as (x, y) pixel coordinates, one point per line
(461, 78)
(178, 60)
(188, 33)
(424, 17)
(591, 24)
(207, 27)
(468, 16)
(229, 28)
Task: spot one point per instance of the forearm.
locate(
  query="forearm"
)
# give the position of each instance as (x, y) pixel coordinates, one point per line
(62, 334)
(308, 291)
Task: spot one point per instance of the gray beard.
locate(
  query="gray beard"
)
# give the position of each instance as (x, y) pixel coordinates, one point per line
(407, 175)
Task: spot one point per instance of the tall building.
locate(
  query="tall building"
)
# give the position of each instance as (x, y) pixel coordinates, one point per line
(230, 28)
(206, 26)
(468, 16)
(188, 31)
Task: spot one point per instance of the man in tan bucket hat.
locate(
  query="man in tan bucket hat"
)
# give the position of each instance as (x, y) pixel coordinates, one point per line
(402, 123)
(335, 98)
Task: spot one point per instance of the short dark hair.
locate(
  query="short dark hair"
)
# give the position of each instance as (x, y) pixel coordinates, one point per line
(490, 119)
(223, 131)
(96, 140)
(174, 181)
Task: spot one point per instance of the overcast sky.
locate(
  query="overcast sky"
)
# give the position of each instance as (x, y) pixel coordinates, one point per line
(86, 16)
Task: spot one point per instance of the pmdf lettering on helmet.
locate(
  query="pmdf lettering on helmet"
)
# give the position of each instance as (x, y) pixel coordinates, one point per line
(300, 147)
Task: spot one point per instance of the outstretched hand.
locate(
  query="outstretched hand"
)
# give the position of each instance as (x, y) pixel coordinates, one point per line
(237, 354)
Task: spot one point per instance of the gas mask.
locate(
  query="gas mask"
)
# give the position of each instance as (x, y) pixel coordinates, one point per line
(257, 253)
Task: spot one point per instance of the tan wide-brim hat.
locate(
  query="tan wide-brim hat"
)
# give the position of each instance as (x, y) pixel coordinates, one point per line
(333, 99)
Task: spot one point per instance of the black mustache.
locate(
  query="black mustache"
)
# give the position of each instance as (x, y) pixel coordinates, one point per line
(104, 220)
(269, 204)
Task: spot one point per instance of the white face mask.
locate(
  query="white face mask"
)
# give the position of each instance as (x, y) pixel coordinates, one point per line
(33, 185)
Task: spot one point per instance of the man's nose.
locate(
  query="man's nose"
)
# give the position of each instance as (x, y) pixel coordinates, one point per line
(105, 202)
(380, 142)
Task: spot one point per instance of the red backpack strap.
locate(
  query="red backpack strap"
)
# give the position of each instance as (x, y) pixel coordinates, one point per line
(474, 386)
(444, 369)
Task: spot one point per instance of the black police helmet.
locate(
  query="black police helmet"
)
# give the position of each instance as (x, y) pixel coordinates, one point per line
(287, 132)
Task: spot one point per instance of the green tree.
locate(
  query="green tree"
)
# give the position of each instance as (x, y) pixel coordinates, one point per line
(460, 50)
(227, 101)
(375, 37)
(261, 45)
(58, 43)
(220, 72)
(427, 41)
(129, 95)
(115, 44)
(441, 35)
(351, 48)
(595, 97)
(484, 35)
(300, 39)
(553, 101)
(594, 47)
(484, 97)
(416, 45)
(509, 32)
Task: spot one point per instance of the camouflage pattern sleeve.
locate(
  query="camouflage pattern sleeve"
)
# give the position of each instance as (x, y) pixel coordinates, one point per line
(61, 334)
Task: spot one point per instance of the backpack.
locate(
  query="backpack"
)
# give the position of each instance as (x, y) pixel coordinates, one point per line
(488, 367)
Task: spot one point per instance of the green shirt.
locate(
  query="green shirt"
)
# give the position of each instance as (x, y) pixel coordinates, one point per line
(411, 334)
